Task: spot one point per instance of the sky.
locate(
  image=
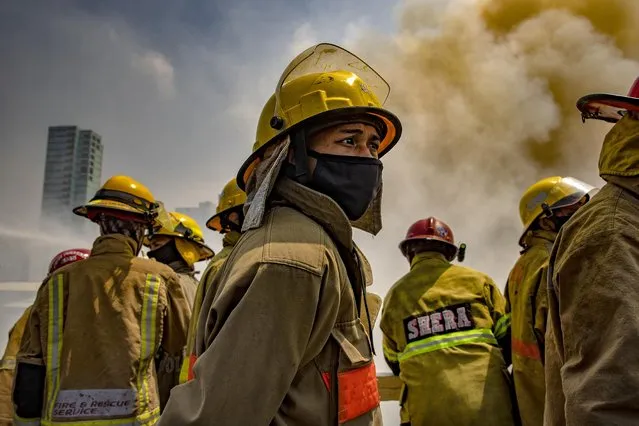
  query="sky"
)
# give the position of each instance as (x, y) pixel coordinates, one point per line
(485, 90)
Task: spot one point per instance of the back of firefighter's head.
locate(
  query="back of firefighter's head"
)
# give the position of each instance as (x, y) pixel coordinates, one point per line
(429, 235)
(179, 239)
(122, 206)
(229, 214)
(549, 203)
(337, 126)
(67, 257)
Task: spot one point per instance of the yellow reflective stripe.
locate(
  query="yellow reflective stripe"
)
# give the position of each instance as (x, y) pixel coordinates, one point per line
(19, 421)
(54, 341)
(8, 363)
(184, 369)
(147, 338)
(502, 326)
(150, 417)
(435, 343)
(389, 354)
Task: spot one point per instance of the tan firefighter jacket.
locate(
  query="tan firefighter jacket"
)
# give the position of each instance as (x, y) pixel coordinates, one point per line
(592, 367)
(442, 325)
(95, 331)
(170, 365)
(282, 343)
(229, 241)
(527, 302)
(7, 368)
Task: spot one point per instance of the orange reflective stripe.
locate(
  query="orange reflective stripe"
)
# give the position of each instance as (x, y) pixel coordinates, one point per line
(192, 359)
(358, 393)
(528, 350)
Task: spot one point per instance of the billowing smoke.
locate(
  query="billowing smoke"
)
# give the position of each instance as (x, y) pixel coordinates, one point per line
(486, 90)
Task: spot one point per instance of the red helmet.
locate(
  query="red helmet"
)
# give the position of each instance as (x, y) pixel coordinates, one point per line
(429, 229)
(607, 107)
(66, 257)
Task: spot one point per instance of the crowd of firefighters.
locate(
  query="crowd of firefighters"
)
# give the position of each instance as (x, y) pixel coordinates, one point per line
(278, 330)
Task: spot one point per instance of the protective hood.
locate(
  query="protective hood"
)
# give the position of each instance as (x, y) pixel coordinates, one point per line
(261, 184)
(619, 158)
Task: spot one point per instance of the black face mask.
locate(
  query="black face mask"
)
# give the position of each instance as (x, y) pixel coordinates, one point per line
(166, 254)
(350, 181)
(560, 221)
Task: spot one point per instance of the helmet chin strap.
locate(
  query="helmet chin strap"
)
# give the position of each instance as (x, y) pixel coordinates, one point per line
(301, 158)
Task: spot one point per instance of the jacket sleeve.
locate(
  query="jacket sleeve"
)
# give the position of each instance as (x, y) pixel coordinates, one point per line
(540, 311)
(267, 328)
(598, 301)
(175, 329)
(389, 345)
(30, 374)
(501, 319)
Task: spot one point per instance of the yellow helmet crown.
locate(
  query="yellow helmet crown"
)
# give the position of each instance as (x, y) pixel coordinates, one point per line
(232, 197)
(121, 193)
(550, 193)
(188, 236)
(322, 83)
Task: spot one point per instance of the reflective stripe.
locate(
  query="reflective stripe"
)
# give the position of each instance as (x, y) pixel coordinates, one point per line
(389, 354)
(435, 343)
(18, 421)
(8, 363)
(54, 344)
(147, 338)
(358, 393)
(527, 350)
(502, 326)
(147, 419)
(95, 403)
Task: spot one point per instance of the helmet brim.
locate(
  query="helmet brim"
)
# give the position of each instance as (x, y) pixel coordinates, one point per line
(606, 107)
(393, 133)
(105, 205)
(402, 245)
(215, 222)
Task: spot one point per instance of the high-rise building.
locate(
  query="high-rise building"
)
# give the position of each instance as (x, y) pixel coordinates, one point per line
(73, 171)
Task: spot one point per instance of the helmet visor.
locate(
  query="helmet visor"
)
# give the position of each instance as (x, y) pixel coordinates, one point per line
(576, 189)
(326, 57)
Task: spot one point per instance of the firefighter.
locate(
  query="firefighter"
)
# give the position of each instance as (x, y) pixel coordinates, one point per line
(97, 326)
(592, 371)
(543, 209)
(8, 362)
(282, 342)
(180, 246)
(444, 327)
(227, 221)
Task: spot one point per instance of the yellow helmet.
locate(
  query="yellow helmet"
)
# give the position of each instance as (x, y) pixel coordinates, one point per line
(231, 198)
(550, 194)
(122, 194)
(323, 82)
(188, 236)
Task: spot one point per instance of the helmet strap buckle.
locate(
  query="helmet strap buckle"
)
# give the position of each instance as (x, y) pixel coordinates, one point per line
(547, 210)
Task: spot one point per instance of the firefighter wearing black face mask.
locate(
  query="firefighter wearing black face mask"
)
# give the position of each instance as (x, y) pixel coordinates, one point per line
(286, 318)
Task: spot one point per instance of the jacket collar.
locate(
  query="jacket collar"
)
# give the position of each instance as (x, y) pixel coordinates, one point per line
(428, 256)
(114, 244)
(230, 238)
(318, 207)
(619, 158)
(538, 237)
